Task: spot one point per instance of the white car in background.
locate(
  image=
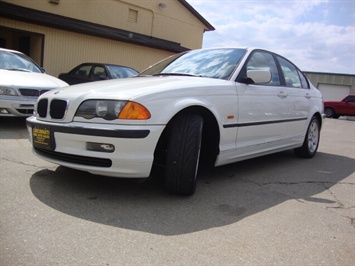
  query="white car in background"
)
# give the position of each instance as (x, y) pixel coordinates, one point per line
(21, 82)
(198, 108)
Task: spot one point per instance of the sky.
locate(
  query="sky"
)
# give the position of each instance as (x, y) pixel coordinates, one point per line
(316, 35)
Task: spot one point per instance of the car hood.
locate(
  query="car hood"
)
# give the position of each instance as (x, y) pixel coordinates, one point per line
(132, 88)
(29, 79)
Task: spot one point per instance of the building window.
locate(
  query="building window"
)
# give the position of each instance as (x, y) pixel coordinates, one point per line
(132, 15)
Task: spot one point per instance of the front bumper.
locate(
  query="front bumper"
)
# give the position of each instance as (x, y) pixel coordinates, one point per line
(132, 156)
(17, 106)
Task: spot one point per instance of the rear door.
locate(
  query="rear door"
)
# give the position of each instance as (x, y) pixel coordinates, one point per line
(80, 74)
(296, 86)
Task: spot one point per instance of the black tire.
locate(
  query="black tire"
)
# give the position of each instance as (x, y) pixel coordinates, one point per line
(311, 140)
(183, 154)
(329, 112)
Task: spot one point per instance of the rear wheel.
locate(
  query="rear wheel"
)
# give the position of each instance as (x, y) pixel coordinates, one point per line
(329, 112)
(183, 154)
(311, 141)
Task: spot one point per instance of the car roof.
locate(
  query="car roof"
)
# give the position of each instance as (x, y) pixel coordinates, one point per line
(9, 50)
(93, 63)
(106, 64)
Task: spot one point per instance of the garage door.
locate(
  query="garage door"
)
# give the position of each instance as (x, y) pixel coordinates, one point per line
(333, 92)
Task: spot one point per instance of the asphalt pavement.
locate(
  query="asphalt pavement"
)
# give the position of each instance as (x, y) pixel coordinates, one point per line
(273, 210)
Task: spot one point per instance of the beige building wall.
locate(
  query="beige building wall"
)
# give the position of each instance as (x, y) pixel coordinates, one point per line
(64, 50)
(171, 22)
(61, 50)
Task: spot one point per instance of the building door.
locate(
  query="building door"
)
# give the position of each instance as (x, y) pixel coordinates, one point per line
(29, 43)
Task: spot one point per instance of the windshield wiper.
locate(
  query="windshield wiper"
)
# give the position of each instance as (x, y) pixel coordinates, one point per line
(18, 69)
(177, 74)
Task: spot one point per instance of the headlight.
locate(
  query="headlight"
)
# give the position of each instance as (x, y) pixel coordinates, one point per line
(8, 91)
(110, 110)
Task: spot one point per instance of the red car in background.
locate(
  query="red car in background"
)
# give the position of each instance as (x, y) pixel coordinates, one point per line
(336, 109)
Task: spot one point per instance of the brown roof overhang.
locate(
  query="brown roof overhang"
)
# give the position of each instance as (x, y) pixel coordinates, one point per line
(46, 19)
(209, 27)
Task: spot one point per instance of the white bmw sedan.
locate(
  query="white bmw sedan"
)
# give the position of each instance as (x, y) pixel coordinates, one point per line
(198, 108)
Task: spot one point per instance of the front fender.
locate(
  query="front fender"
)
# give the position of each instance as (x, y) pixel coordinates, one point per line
(224, 109)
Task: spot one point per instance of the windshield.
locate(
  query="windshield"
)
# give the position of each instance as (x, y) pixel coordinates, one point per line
(211, 63)
(18, 62)
(121, 72)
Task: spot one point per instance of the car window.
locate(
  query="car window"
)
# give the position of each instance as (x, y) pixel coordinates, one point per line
(98, 73)
(130, 72)
(83, 72)
(290, 73)
(304, 82)
(264, 61)
(350, 99)
(121, 72)
(17, 61)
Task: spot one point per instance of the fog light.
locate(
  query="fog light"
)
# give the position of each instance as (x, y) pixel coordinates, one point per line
(3, 111)
(101, 147)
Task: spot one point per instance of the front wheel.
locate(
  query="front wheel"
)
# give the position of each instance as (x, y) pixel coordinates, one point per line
(183, 154)
(311, 141)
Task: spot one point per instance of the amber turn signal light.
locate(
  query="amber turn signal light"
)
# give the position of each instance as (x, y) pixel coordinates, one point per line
(133, 110)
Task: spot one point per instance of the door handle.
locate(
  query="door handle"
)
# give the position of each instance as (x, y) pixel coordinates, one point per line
(282, 94)
(307, 96)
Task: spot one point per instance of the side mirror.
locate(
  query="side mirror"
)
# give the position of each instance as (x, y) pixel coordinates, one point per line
(259, 76)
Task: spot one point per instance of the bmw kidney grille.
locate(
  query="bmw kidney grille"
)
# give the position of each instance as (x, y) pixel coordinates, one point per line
(57, 108)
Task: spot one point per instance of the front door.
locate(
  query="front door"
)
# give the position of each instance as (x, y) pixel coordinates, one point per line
(263, 109)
